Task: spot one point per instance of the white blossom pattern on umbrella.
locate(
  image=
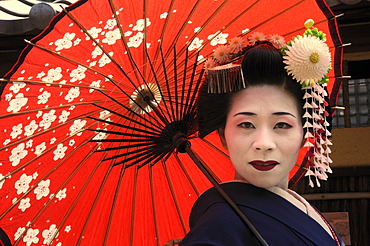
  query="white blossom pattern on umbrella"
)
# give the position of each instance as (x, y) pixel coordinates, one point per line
(17, 103)
(218, 38)
(17, 86)
(48, 119)
(195, 44)
(16, 130)
(31, 128)
(42, 189)
(44, 97)
(23, 184)
(31, 237)
(140, 24)
(18, 153)
(54, 74)
(19, 232)
(24, 204)
(48, 234)
(40, 148)
(59, 153)
(61, 194)
(65, 42)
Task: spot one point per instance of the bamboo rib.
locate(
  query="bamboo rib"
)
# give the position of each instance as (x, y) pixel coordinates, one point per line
(164, 165)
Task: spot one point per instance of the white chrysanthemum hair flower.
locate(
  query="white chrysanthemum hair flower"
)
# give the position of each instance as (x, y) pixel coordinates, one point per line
(308, 59)
(277, 40)
(236, 44)
(256, 36)
(221, 54)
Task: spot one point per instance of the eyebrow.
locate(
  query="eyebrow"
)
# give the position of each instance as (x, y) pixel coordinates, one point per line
(254, 114)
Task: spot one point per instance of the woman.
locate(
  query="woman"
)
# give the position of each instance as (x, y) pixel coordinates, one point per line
(261, 127)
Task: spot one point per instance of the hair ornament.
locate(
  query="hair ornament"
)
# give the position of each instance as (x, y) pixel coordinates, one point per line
(308, 60)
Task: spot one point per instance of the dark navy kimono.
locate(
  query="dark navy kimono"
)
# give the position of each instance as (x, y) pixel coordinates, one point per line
(280, 223)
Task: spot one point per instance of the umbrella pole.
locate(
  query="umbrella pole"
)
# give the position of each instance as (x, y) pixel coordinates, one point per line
(198, 161)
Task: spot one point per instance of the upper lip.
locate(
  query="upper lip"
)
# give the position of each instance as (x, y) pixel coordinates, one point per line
(264, 163)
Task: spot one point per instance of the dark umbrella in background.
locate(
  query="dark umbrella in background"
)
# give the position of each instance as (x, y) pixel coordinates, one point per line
(98, 110)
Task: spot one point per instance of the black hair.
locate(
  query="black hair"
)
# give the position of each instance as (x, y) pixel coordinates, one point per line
(262, 64)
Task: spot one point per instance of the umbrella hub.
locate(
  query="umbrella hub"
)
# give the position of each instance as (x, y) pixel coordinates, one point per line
(175, 136)
(144, 98)
(180, 142)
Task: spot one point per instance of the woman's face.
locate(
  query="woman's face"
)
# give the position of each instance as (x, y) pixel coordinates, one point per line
(263, 135)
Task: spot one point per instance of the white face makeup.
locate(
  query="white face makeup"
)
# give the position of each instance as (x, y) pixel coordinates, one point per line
(263, 135)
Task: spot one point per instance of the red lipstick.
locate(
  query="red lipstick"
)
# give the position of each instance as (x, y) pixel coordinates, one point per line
(263, 165)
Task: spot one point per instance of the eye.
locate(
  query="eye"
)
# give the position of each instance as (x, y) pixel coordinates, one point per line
(247, 125)
(282, 125)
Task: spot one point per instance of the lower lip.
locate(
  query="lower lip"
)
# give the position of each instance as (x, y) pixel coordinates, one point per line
(263, 167)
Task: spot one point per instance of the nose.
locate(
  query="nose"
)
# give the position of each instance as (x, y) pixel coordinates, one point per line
(263, 140)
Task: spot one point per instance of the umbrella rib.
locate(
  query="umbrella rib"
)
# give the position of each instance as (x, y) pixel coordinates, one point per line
(133, 207)
(186, 174)
(316, 23)
(183, 84)
(154, 205)
(218, 32)
(276, 15)
(182, 28)
(65, 217)
(174, 197)
(159, 87)
(148, 157)
(22, 167)
(167, 81)
(156, 158)
(202, 26)
(132, 120)
(148, 154)
(108, 55)
(47, 130)
(215, 148)
(189, 102)
(126, 127)
(99, 45)
(192, 106)
(116, 83)
(137, 114)
(92, 208)
(145, 38)
(95, 71)
(176, 83)
(42, 109)
(121, 148)
(114, 204)
(30, 189)
(145, 150)
(132, 61)
(163, 31)
(151, 135)
(205, 24)
(80, 193)
(61, 85)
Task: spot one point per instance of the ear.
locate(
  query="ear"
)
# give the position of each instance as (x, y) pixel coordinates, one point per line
(221, 133)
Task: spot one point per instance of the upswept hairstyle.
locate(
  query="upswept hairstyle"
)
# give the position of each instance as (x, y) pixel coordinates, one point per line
(262, 64)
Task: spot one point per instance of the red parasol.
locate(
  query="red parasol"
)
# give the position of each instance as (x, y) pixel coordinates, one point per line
(98, 109)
